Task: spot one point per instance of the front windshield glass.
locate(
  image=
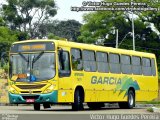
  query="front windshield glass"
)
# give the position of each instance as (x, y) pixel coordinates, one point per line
(33, 67)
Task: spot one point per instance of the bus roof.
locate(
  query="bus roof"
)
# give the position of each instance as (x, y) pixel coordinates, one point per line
(92, 47)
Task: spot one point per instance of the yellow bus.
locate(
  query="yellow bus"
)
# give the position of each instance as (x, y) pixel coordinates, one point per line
(60, 72)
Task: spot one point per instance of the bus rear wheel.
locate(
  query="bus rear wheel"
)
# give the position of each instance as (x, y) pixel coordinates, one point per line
(78, 101)
(36, 106)
(130, 101)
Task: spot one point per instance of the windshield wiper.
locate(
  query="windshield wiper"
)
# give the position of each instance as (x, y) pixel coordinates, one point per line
(23, 57)
(37, 58)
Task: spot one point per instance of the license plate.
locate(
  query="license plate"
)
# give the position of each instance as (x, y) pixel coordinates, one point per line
(30, 100)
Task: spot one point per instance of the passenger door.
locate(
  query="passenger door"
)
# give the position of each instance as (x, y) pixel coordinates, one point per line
(65, 82)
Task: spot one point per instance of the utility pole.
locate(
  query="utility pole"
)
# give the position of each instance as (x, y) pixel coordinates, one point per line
(133, 29)
(117, 38)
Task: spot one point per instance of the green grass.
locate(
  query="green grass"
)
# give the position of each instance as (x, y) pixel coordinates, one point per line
(149, 102)
(152, 102)
(150, 109)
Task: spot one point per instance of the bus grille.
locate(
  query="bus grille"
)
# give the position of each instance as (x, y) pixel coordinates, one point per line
(31, 86)
(30, 97)
(26, 92)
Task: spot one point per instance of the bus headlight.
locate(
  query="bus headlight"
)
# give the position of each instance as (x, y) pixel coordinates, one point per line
(49, 89)
(12, 90)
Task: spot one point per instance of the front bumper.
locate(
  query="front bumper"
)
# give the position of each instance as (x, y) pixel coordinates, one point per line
(39, 98)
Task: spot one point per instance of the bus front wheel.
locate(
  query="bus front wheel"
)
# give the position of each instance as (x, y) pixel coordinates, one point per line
(130, 101)
(36, 106)
(78, 101)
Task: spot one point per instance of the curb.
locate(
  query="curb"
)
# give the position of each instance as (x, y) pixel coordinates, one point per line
(145, 105)
(156, 110)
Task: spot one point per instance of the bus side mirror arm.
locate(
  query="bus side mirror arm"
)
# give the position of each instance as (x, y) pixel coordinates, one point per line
(79, 61)
(61, 59)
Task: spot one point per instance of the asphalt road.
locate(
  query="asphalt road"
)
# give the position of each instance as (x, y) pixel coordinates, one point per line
(63, 109)
(58, 112)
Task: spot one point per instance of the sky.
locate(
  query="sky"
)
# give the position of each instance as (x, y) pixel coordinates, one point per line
(64, 12)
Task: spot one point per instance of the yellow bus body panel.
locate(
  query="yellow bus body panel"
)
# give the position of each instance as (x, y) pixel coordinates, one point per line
(101, 91)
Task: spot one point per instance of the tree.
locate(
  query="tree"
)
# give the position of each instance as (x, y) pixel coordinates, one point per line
(27, 15)
(101, 25)
(52, 36)
(2, 22)
(69, 29)
(7, 37)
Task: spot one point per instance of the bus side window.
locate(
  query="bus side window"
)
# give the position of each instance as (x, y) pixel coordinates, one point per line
(146, 66)
(64, 64)
(102, 62)
(136, 65)
(153, 67)
(126, 64)
(114, 63)
(76, 56)
(89, 61)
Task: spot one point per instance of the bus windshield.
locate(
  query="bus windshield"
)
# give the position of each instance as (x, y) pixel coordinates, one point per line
(32, 67)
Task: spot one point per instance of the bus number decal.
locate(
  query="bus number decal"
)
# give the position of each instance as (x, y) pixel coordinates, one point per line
(78, 74)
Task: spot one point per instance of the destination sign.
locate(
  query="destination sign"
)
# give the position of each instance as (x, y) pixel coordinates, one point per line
(32, 46)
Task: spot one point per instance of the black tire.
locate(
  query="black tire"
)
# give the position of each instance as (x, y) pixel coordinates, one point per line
(46, 105)
(95, 105)
(78, 101)
(36, 106)
(130, 101)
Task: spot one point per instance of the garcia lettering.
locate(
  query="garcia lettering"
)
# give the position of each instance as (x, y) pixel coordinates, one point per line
(105, 80)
